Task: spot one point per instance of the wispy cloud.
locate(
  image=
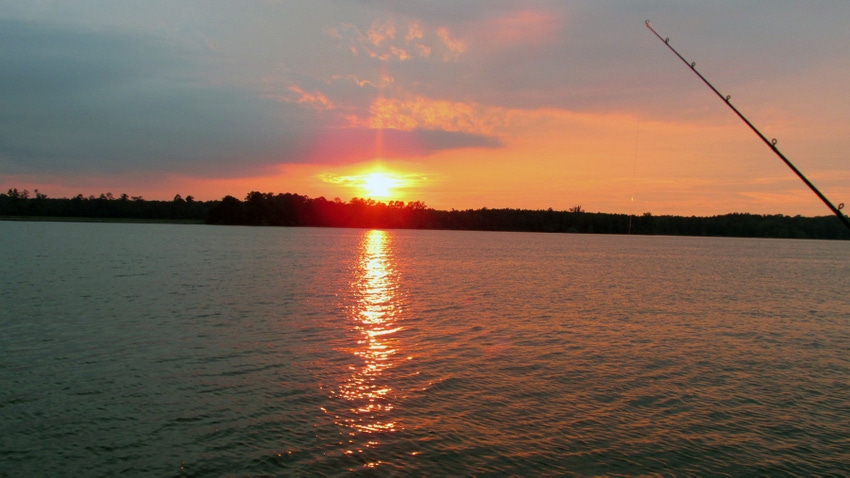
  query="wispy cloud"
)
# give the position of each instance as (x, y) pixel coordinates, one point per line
(392, 39)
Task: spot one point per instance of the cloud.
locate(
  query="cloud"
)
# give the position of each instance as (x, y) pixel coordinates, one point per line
(316, 99)
(429, 114)
(86, 101)
(599, 57)
(520, 29)
(80, 100)
(396, 38)
(363, 144)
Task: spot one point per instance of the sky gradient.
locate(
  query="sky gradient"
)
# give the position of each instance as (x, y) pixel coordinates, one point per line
(460, 105)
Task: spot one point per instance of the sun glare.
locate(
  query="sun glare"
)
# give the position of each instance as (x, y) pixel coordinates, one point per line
(379, 185)
(376, 182)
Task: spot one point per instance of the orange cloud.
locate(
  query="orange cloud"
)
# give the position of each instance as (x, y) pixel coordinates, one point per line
(425, 113)
(400, 53)
(454, 47)
(381, 31)
(384, 80)
(316, 100)
(389, 39)
(414, 32)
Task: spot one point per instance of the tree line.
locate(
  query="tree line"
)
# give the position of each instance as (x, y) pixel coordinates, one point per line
(294, 210)
(17, 203)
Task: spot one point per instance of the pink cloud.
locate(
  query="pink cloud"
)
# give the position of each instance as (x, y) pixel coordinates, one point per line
(526, 27)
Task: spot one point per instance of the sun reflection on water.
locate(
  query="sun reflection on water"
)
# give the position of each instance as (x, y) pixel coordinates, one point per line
(374, 314)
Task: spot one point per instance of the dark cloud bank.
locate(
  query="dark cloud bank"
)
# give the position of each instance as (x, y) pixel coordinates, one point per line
(81, 101)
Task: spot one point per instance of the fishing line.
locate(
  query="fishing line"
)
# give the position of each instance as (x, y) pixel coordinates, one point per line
(770, 143)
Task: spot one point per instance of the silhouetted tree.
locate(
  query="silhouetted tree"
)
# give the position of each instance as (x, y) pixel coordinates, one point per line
(296, 210)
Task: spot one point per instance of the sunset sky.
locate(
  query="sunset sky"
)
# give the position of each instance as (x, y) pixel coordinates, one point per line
(531, 104)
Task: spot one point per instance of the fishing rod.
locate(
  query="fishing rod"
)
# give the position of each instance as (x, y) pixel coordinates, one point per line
(770, 143)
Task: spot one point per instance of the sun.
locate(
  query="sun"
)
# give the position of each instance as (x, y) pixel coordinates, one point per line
(376, 182)
(379, 185)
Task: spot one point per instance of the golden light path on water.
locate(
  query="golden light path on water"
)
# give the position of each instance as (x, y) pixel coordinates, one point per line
(374, 315)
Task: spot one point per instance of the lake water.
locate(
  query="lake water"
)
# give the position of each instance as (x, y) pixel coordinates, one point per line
(176, 350)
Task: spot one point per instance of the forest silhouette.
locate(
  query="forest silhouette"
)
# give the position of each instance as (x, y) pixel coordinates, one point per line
(295, 210)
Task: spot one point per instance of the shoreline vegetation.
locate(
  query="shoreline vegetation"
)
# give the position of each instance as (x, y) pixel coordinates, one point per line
(294, 210)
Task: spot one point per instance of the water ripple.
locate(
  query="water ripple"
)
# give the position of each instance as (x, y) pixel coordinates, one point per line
(300, 352)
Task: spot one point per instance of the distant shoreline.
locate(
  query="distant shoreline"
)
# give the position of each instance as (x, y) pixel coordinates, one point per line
(100, 219)
(198, 222)
(294, 210)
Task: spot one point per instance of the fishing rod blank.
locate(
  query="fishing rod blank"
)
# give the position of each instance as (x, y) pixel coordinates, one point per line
(770, 143)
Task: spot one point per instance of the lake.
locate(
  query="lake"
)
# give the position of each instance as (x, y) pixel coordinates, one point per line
(188, 350)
